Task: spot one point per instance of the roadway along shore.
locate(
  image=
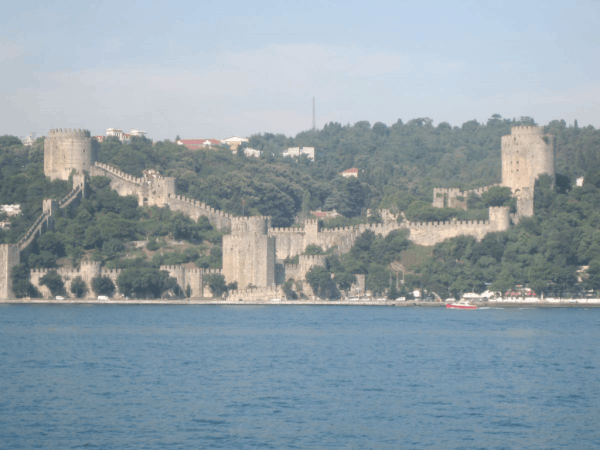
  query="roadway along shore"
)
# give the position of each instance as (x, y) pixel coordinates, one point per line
(208, 301)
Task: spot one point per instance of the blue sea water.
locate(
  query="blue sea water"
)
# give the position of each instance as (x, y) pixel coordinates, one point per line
(153, 377)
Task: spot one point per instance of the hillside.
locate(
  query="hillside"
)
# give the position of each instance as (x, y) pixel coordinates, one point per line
(399, 166)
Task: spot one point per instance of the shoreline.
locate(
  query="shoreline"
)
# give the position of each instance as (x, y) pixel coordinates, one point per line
(501, 304)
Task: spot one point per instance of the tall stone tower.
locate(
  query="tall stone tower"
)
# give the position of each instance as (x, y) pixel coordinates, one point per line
(249, 253)
(65, 150)
(527, 153)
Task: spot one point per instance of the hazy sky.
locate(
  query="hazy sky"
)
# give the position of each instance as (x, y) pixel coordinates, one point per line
(220, 68)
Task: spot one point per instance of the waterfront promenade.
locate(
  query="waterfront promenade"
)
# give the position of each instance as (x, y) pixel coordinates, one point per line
(505, 303)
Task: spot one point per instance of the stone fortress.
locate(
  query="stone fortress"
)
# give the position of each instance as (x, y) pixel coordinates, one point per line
(526, 154)
(253, 251)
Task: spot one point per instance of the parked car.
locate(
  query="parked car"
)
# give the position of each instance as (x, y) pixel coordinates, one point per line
(59, 297)
(102, 297)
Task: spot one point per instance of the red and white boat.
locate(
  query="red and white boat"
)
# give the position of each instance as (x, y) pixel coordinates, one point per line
(463, 304)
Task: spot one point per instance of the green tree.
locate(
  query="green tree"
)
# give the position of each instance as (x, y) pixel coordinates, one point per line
(78, 287)
(497, 196)
(288, 290)
(216, 283)
(344, 280)
(52, 243)
(53, 281)
(143, 282)
(378, 278)
(21, 285)
(103, 286)
(313, 249)
(593, 275)
(321, 283)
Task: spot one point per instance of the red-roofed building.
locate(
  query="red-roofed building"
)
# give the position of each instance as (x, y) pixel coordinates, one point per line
(350, 173)
(197, 144)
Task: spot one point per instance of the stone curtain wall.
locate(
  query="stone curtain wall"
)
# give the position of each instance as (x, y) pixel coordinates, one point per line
(195, 209)
(451, 197)
(192, 277)
(294, 241)
(290, 241)
(422, 233)
(160, 192)
(148, 193)
(45, 221)
(87, 271)
(298, 272)
(121, 182)
(258, 294)
(431, 233)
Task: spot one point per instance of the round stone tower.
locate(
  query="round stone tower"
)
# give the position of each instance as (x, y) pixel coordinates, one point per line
(526, 154)
(65, 150)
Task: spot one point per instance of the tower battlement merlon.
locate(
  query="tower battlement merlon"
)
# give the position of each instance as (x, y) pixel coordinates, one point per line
(68, 132)
(528, 129)
(256, 225)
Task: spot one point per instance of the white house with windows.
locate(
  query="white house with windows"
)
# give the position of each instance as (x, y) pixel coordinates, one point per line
(294, 152)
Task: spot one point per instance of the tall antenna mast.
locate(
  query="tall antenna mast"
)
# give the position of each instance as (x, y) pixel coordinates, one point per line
(314, 123)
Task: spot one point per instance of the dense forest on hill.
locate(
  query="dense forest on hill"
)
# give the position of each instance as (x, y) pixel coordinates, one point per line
(399, 166)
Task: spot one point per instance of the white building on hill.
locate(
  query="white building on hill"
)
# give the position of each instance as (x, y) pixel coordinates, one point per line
(294, 152)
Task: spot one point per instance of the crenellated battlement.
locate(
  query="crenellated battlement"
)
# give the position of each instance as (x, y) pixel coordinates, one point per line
(91, 263)
(254, 225)
(179, 267)
(119, 173)
(311, 258)
(172, 267)
(452, 223)
(337, 230)
(68, 133)
(109, 272)
(447, 191)
(455, 198)
(198, 204)
(286, 230)
(527, 129)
